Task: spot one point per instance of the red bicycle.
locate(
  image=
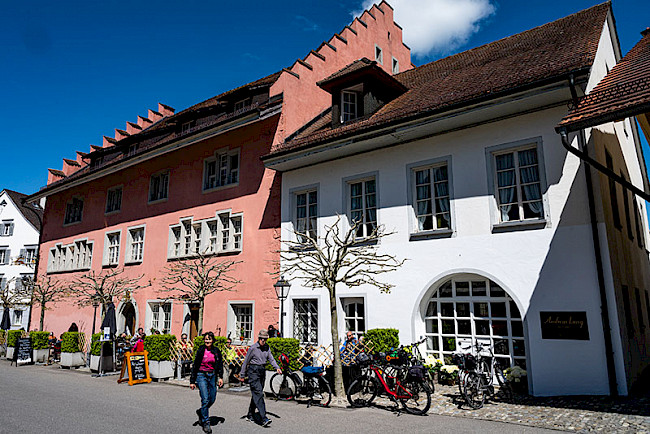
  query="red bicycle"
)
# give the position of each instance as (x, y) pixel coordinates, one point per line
(403, 384)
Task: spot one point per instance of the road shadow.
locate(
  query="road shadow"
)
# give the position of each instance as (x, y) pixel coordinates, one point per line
(214, 420)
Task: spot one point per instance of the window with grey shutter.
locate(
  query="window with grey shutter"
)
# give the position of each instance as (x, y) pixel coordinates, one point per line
(7, 256)
(11, 229)
(23, 254)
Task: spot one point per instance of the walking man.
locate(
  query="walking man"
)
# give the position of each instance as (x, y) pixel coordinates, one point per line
(254, 365)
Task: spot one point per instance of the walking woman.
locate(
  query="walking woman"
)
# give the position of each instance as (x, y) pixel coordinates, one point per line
(254, 365)
(207, 368)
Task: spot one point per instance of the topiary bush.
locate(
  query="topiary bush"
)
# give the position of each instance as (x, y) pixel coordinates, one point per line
(96, 345)
(382, 339)
(71, 342)
(40, 340)
(288, 346)
(12, 337)
(158, 347)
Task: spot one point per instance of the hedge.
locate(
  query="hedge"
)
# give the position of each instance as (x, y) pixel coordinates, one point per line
(158, 346)
(12, 337)
(96, 345)
(288, 346)
(71, 342)
(40, 340)
(382, 339)
(3, 335)
(219, 341)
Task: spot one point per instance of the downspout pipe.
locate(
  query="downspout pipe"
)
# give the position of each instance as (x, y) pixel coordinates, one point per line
(604, 306)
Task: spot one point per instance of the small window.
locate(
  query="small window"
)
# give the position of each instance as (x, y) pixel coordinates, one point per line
(5, 255)
(395, 66)
(187, 126)
(161, 316)
(379, 55)
(7, 228)
(82, 255)
(114, 200)
(221, 170)
(242, 326)
(306, 214)
(354, 316)
(519, 191)
(158, 187)
(112, 248)
(305, 321)
(18, 317)
(210, 236)
(73, 211)
(28, 254)
(431, 197)
(241, 105)
(362, 206)
(135, 245)
(175, 241)
(132, 149)
(348, 106)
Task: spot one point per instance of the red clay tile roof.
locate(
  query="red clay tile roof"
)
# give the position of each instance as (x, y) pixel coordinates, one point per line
(624, 92)
(542, 54)
(362, 63)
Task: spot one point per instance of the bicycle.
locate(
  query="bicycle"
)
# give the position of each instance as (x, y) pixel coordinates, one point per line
(288, 385)
(417, 360)
(400, 383)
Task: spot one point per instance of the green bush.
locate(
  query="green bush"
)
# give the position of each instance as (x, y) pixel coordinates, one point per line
(12, 337)
(288, 346)
(158, 346)
(71, 342)
(3, 335)
(96, 345)
(382, 339)
(219, 342)
(40, 340)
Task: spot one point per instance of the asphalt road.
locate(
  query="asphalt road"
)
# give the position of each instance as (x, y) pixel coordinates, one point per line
(38, 399)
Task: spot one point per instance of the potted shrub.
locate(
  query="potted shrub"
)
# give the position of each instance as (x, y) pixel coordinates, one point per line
(158, 346)
(40, 346)
(95, 352)
(72, 355)
(448, 374)
(378, 340)
(433, 365)
(12, 340)
(518, 379)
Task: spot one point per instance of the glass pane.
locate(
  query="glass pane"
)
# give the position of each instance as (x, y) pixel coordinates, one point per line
(482, 328)
(424, 207)
(361, 323)
(462, 289)
(355, 203)
(355, 189)
(533, 210)
(370, 186)
(478, 288)
(432, 325)
(505, 161)
(448, 326)
(528, 157)
(521, 363)
(464, 327)
(432, 343)
(447, 309)
(448, 344)
(425, 223)
(500, 328)
(445, 289)
(481, 309)
(496, 291)
(514, 310)
(432, 309)
(423, 192)
(301, 199)
(517, 328)
(440, 173)
(312, 197)
(498, 310)
(443, 221)
(462, 310)
(518, 347)
(422, 177)
(501, 346)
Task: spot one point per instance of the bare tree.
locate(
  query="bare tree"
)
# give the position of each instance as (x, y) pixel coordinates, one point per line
(45, 291)
(336, 257)
(193, 279)
(12, 297)
(104, 286)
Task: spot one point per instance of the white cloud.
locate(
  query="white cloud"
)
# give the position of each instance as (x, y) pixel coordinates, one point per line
(437, 26)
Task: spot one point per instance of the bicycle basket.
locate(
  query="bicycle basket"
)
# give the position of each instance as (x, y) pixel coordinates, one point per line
(363, 359)
(312, 370)
(416, 372)
(397, 358)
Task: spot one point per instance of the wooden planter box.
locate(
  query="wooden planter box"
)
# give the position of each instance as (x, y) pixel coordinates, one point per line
(161, 370)
(107, 364)
(41, 355)
(72, 360)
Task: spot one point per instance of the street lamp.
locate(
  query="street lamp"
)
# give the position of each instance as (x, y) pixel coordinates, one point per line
(282, 291)
(95, 300)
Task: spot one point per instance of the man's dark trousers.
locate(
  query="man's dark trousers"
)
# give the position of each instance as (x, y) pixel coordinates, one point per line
(256, 377)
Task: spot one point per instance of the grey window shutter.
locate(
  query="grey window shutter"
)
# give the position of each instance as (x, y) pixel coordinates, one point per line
(7, 256)
(23, 254)
(2, 229)
(11, 229)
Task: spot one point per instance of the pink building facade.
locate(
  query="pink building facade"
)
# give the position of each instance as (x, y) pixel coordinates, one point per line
(172, 183)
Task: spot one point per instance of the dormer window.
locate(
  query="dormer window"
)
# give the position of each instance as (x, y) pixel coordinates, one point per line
(395, 66)
(379, 55)
(96, 162)
(348, 105)
(241, 105)
(187, 126)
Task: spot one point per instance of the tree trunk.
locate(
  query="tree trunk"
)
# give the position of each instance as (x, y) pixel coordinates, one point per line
(200, 324)
(339, 389)
(40, 328)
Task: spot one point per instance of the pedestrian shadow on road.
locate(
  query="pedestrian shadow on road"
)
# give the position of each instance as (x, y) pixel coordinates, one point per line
(214, 420)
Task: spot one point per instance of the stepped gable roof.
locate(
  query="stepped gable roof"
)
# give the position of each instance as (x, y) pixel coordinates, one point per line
(29, 211)
(509, 65)
(623, 92)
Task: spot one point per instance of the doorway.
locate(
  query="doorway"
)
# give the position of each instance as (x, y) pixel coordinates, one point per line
(194, 321)
(128, 314)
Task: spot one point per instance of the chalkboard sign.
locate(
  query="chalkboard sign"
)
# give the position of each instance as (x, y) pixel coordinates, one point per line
(564, 325)
(137, 365)
(23, 351)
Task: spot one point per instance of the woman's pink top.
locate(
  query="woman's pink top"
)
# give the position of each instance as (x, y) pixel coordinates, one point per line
(207, 364)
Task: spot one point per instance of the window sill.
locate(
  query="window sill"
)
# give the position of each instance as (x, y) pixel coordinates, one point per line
(153, 202)
(117, 211)
(430, 235)
(519, 225)
(65, 225)
(362, 242)
(133, 262)
(192, 256)
(221, 187)
(115, 265)
(303, 248)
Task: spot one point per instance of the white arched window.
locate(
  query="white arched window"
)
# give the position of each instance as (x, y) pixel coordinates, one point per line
(469, 307)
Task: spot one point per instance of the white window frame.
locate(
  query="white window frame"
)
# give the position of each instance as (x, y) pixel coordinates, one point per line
(233, 321)
(160, 318)
(223, 172)
(189, 235)
(5, 255)
(69, 210)
(349, 109)
(348, 300)
(112, 251)
(161, 196)
(414, 227)
(29, 253)
(363, 179)
(495, 214)
(75, 256)
(118, 205)
(379, 54)
(128, 254)
(294, 302)
(82, 255)
(15, 320)
(306, 191)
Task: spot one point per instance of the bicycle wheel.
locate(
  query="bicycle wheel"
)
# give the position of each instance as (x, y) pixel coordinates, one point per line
(474, 390)
(505, 390)
(462, 378)
(283, 387)
(362, 391)
(420, 397)
(321, 392)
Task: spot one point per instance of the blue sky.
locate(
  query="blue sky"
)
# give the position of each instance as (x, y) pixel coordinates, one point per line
(73, 71)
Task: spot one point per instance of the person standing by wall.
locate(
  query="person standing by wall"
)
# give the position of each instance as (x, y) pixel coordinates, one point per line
(208, 366)
(254, 365)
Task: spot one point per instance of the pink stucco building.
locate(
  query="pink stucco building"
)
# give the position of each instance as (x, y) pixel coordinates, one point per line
(171, 183)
